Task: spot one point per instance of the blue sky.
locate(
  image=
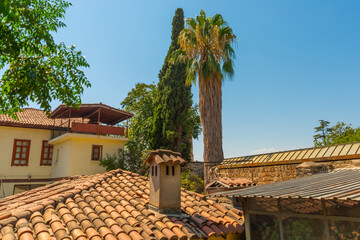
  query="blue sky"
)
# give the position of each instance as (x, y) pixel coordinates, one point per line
(297, 62)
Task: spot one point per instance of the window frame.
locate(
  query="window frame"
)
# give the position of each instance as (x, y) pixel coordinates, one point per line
(21, 151)
(100, 147)
(48, 153)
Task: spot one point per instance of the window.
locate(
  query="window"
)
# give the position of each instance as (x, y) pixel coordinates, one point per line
(152, 170)
(167, 170)
(96, 153)
(155, 171)
(173, 170)
(46, 154)
(21, 152)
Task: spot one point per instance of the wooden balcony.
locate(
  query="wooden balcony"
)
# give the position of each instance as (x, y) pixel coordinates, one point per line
(97, 129)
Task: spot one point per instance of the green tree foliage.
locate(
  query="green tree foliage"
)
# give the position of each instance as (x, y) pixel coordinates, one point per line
(340, 133)
(192, 182)
(35, 67)
(206, 43)
(131, 158)
(322, 132)
(175, 120)
(140, 101)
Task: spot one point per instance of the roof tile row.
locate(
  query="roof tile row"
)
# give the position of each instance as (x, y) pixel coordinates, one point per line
(110, 206)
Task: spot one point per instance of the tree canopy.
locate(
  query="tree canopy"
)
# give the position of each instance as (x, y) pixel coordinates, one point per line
(206, 43)
(36, 68)
(339, 133)
(175, 120)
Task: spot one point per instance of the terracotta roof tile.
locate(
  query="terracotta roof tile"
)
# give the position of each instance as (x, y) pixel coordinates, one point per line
(164, 156)
(110, 206)
(34, 118)
(231, 182)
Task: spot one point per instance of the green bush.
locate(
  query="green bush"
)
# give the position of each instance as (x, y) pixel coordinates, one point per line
(192, 182)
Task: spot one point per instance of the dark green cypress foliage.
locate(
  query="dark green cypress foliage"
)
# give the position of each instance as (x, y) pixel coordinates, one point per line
(172, 124)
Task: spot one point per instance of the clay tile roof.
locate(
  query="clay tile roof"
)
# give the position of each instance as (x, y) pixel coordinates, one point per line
(112, 205)
(28, 117)
(33, 118)
(231, 182)
(164, 156)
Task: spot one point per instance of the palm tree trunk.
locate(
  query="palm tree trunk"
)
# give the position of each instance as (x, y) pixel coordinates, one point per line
(210, 106)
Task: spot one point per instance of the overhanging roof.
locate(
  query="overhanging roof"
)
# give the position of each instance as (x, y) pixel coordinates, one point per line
(327, 153)
(108, 115)
(343, 184)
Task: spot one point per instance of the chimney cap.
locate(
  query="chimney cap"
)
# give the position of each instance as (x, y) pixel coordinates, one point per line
(164, 156)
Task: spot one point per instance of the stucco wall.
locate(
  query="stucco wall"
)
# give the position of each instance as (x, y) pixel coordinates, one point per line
(269, 174)
(61, 159)
(170, 187)
(75, 153)
(165, 189)
(7, 136)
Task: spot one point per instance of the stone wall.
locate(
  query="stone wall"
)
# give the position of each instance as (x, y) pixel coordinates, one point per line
(275, 173)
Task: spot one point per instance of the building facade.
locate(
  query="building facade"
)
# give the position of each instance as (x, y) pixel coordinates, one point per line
(36, 150)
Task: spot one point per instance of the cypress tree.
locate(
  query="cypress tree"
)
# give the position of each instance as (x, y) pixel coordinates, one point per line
(172, 123)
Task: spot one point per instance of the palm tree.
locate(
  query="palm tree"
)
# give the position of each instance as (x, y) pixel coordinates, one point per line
(206, 43)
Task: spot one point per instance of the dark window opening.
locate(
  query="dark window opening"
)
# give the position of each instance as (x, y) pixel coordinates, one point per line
(155, 170)
(167, 170)
(173, 170)
(152, 170)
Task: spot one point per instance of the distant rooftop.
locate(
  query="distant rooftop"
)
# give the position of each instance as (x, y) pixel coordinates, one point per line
(336, 152)
(94, 112)
(342, 184)
(87, 113)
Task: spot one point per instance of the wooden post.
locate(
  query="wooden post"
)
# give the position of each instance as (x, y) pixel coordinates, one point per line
(247, 219)
(127, 127)
(279, 218)
(326, 221)
(98, 128)
(68, 128)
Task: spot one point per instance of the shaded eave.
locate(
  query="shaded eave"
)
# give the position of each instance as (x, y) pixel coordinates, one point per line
(108, 115)
(27, 125)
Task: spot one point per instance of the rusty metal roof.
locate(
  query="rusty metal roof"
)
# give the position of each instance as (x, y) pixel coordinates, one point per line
(336, 152)
(342, 184)
(93, 112)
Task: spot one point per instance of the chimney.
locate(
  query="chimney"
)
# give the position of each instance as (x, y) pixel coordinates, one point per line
(165, 183)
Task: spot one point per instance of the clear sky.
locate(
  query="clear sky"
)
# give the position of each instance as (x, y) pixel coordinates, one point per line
(297, 62)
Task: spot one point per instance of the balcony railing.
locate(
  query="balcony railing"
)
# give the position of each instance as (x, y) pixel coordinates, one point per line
(98, 129)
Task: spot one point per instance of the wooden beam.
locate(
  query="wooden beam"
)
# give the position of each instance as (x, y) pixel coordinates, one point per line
(279, 218)
(326, 221)
(92, 113)
(247, 220)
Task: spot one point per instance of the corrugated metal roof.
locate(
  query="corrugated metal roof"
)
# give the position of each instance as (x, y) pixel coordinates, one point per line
(341, 184)
(337, 152)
